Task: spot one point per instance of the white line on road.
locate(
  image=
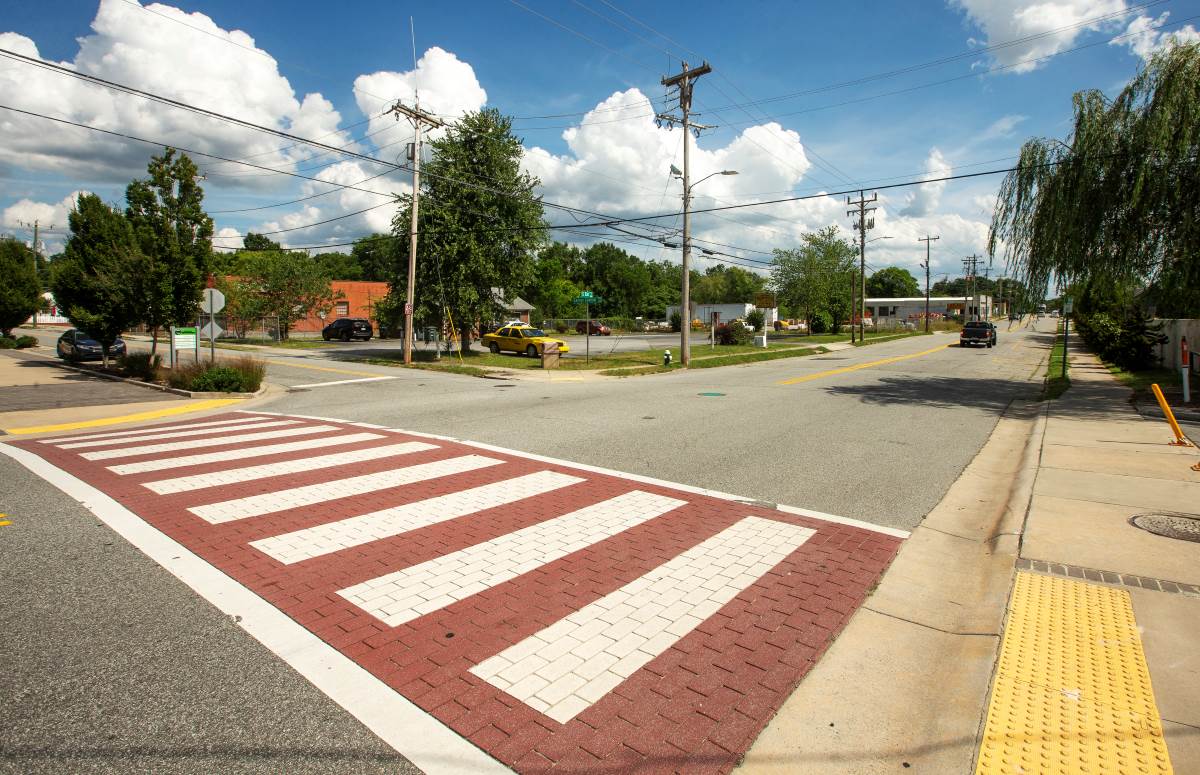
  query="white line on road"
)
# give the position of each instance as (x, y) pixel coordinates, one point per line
(153, 429)
(342, 382)
(178, 434)
(262, 450)
(249, 473)
(413, 592)
(418, 736)
(175, 446)
(334, 536)
(567, 667)
(282, 500)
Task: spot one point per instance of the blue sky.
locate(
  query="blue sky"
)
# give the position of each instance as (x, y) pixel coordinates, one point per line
(809, 130)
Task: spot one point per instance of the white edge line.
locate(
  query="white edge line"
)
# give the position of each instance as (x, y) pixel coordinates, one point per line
(419, 737)
(819, 515)
(341, 382)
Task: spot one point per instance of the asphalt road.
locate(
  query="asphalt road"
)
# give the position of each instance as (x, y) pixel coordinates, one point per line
(881, 443)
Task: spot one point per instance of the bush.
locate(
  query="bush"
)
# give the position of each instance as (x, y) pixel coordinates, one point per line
(26, 341)
(141, 366)
(1127, 342)
(245, 375)
(822, 323)
(733, 333)
(7, 343)
(676, 322)
(758, 319)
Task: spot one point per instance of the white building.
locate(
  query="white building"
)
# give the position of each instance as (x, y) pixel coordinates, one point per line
(725, 312)
(912, 308)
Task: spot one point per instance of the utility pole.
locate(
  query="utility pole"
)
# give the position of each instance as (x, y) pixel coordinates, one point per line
(685, 80)
(863, 225)
(37, 252)
(418, 118)
(970, 268)
(927, 239)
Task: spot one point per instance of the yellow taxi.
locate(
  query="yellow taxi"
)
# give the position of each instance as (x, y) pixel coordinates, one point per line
(521, 339)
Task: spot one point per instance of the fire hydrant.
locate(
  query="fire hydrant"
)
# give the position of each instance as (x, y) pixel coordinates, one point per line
(666, 357)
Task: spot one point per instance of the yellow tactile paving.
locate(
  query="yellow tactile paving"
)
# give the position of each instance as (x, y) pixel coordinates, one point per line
(1072, 693)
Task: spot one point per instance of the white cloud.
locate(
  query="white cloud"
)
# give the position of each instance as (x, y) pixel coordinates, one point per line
(1038, 24)
(158, 53)
(924, 199)
(1144, 38)
(1001, 127)
(51, 218)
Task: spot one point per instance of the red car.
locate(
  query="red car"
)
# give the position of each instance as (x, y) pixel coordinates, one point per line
(592, 327)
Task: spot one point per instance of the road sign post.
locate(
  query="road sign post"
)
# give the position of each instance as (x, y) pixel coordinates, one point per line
(212, 302)
(586, 298)
(1067, 307)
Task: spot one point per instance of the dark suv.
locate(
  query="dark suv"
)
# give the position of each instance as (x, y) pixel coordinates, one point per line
(977, 332)
(347, 329)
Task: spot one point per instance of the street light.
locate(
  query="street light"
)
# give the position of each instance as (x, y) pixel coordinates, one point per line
(685, 307)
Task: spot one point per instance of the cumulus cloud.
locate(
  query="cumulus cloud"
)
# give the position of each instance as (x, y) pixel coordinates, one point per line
(1043, 26)
(925, 198)
(51, 217)
(1143, 36)
(166, 51)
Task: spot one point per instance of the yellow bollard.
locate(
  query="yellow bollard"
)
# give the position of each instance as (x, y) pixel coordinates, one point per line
(1180, 440)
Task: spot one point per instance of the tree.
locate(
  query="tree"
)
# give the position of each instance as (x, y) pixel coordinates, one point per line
(174, 234)
(253, 241)
(892, 283)
(339, 266)
(1119, 198)
(92, 281)
(817, 277)
(376, 257)
(281, 284)
(20, 290)
(480, 223)
(619, 279)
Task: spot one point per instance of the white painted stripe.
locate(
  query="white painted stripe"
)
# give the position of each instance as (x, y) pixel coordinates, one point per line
(164, 463)
(175, 446)
(342, 382)
(281, 500)
(413, 592)
(318, 463)
(415, 734)
(153, 429)
(567, 667)
(334, 536)
(247, 426)
(811, 514)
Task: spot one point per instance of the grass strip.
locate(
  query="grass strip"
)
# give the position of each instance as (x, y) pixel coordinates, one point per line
(720, 360)
(1057, 381)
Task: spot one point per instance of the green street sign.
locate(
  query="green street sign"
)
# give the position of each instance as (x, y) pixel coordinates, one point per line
(586, 297)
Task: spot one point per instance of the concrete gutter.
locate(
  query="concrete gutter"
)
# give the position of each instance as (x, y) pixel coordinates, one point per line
(906, 683)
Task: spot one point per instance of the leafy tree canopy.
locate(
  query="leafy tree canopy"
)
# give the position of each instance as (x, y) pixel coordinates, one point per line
(279, 284)
(1120, 197)
(816, 278)
(892, 282)
(20, 290)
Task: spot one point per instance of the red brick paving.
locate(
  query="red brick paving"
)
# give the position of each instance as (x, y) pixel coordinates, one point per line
(695, 708)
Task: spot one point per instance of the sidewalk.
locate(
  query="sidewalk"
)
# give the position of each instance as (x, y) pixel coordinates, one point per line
(1101, 465)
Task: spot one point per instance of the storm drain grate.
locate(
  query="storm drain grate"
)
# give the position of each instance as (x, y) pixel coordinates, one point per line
(1169, 524)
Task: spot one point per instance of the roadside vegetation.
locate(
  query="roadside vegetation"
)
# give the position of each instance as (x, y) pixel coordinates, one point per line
(244, 375)
(1057, 381)
(17, 343)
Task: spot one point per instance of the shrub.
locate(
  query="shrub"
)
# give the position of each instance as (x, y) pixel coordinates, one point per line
(217, 379)
(822, 322)
(7, 343)
(758, 319)
(141, 366)
(733, 333)
(1127, 342)
(676, 322)
(26, 341)
(244, 375)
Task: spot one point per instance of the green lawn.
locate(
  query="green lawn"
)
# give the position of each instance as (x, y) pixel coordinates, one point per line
(1056, 381)
(287, 344)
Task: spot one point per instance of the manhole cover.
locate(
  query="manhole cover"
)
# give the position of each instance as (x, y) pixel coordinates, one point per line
(710, 394)
(1185, 527)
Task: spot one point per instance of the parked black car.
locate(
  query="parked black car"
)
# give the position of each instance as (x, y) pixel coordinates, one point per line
(347, 329)
(75, 345)
(977, 332)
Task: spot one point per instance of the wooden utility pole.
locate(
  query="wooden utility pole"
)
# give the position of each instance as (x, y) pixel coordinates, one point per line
(970, 269)
(685, 80)
(418, 118)
(37, 252)
(927, 239)
(863, 224)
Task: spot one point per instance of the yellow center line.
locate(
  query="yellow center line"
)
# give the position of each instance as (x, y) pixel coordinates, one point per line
(151, 415)
(867, 365)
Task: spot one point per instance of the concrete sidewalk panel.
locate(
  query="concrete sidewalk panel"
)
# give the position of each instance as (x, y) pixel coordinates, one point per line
(1170, 629)
(847, 717)
(1098, 535)
(1123, 462)
(1146, 494)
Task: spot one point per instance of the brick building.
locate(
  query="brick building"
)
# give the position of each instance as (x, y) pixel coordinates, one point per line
(358, 301)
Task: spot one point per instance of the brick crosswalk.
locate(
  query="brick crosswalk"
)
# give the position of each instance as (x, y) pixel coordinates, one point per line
(556, 616)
